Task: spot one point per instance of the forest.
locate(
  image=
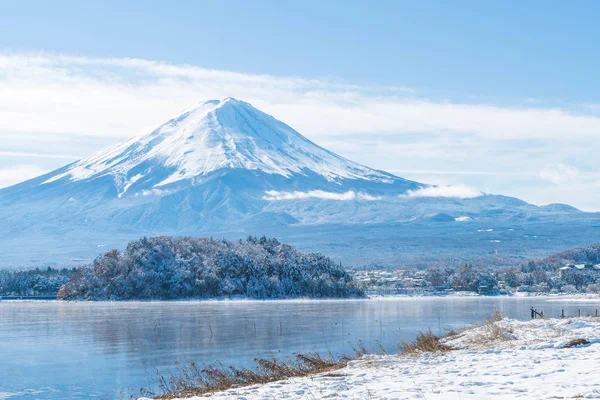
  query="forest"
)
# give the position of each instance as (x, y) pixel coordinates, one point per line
(34, 282)
(177, 268)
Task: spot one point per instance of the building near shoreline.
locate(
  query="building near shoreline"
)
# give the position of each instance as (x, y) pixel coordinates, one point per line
(588, 268)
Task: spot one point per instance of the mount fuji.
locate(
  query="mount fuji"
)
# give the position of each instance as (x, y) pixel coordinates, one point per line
(223, 168)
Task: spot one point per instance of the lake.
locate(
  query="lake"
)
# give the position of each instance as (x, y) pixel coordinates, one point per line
(60, 350)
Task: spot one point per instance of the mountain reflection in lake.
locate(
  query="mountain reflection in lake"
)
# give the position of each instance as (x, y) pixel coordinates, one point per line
(58, 350)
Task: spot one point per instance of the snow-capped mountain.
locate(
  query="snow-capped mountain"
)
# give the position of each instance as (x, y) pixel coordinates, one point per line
(224, 168)
(214, 135)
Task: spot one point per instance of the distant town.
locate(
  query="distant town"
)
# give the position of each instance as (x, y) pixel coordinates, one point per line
(530, 278)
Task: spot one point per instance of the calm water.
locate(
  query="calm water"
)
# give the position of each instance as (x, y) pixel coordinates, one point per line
(55, 350)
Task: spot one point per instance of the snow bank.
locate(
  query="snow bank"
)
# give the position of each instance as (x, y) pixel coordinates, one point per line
(501, 360)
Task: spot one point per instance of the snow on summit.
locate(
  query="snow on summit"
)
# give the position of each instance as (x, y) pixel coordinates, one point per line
(214, 135)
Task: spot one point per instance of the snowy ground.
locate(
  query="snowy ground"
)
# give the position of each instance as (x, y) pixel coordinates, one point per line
(508, 359)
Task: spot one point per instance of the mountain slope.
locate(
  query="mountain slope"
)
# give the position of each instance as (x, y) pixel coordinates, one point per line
(224, 168)
(226, 134)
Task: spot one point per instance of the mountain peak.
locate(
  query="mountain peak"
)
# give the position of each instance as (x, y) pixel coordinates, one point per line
(210, 136)
(211, 105)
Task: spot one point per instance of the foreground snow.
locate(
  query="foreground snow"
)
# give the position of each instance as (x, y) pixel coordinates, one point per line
(506, 359)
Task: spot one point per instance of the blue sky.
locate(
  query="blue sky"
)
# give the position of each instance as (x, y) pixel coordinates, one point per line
(496, 50)
(502, 96)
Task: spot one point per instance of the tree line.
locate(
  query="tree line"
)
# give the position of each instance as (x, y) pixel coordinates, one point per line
(34, 282)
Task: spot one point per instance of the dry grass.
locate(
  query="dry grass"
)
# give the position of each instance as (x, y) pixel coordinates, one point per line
(360, 349)
(424, 343)
(489, 331)
(452, 333)
(190, 380)
(496, 316)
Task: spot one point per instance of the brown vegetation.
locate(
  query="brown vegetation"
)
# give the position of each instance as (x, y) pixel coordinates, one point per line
(191, 380)
(489, 331)
(425, 343)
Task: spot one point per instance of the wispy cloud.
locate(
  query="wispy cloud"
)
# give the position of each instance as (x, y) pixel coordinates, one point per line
(274, 195)
(37, 155)
(125, 97)
(459, 191)
(559, 173)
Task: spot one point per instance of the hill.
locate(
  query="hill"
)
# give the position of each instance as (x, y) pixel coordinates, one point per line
(581, 255)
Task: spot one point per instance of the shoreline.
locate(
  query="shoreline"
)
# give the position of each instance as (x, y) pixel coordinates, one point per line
(502, 358)
(584, 297)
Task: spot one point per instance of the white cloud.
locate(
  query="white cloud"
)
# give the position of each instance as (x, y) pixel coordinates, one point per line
(559, 174)
(458, 191)
(368, 197)
(464, 218)
(126, 97)
(18, 173)
(274, 195)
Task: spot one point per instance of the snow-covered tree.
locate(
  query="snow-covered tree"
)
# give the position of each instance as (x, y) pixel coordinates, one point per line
(170, 268)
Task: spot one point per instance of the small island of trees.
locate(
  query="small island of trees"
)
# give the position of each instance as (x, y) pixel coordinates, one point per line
(177, 268)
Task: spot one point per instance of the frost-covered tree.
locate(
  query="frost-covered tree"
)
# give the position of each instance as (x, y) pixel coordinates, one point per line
(172, 268)
(33, 282)
(511, 278)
